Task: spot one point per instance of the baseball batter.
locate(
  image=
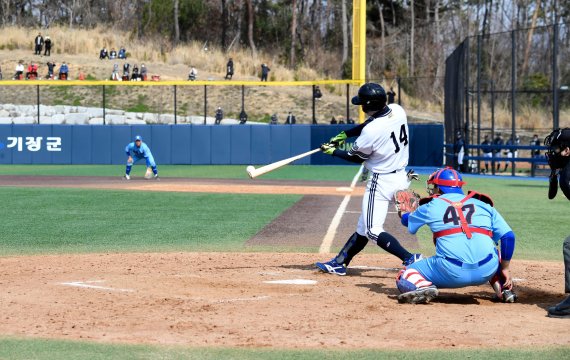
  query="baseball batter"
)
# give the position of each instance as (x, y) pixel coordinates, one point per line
(138, 150)
(383, 146)
(466, 230)
(558, 156)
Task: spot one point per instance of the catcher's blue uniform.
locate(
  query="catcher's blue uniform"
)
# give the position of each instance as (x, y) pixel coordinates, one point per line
(459, 261)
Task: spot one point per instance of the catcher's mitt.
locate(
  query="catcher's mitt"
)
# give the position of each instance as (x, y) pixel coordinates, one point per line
(406, 201)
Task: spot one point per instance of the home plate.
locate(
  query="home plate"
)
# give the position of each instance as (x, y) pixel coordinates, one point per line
(292, 282)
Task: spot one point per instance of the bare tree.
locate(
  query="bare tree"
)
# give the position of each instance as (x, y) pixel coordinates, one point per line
(345, 43)
(176, 22)
(250, 20)
(524, 67)
(293, 34)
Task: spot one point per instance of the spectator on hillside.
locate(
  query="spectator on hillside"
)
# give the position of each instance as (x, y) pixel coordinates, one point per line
(229, 69)
(47, 44)
(193, 75)
(63, 71)
(115, 75)
(135, 76)
(350, 121)
(1, 77)
(242, 117)
(264, 72)
(126, 71)
(113, 54)
(219, 115)
(32, 73)
(39, 43)
(144, 73)
(333, 121)
(122, 53)
(103, 54)
(291, 120)
(274, 120)
(391, 96)
(51, 67)
(19, 70)
(317, 94)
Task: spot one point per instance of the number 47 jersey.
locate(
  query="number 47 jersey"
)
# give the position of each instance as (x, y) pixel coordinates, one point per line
(383, 143)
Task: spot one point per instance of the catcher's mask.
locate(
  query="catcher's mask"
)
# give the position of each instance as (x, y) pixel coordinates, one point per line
(371, 96)
(447, 180)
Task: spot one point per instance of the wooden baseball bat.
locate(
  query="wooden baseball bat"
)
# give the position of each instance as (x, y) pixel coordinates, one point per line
(253, 172)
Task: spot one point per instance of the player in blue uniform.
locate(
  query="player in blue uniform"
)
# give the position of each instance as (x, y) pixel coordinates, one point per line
(466, 230)
(136, 151)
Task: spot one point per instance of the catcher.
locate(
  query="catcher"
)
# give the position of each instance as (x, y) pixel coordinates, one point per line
(466, 230)
(558, 156)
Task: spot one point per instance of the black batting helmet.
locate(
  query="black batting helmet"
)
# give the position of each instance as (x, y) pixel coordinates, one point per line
(371, 96)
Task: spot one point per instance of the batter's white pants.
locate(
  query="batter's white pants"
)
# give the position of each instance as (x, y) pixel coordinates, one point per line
(376, 201)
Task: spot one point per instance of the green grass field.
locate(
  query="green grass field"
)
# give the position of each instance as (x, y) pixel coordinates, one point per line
(39, 220)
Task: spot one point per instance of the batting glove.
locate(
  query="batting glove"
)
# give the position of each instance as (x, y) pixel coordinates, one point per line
(328, 148)
(339, 139)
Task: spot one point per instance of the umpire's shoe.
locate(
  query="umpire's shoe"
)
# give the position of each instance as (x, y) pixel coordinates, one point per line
(332, 267)
(419, 296)
(560, 310)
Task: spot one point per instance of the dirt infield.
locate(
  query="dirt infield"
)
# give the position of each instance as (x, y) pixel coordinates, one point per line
(262, 299)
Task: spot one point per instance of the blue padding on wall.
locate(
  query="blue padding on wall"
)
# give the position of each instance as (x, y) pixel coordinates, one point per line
(24, 156)
(161, 146)
(42, 156)
(200, 145)
(301, 142)
(63, 156)
(5, 153)
(180, 152)
(120, 137)
(81, 144)
(220, 146)
(280, 137)
(426, 145)
(101, 145)
(240, 148)
(260, 144)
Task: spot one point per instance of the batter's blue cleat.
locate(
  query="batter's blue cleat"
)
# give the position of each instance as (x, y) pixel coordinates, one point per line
(419, 296)
(412, 259)
(332, 267)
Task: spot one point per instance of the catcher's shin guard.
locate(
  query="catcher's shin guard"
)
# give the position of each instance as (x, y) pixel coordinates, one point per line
(355, 244)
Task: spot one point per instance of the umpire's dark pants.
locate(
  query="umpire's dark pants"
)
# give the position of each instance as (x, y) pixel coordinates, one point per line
(566, 252)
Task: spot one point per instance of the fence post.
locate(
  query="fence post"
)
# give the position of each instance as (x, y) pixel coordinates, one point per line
(175, 105)
(513, 94)
(104, 105)
(242, 97)
(398, 81)
(38, 96)
(347, 102)
(555, 105)
(205, 102)
(313, 98)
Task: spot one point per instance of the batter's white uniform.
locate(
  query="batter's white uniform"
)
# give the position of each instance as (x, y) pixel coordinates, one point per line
(384, 143)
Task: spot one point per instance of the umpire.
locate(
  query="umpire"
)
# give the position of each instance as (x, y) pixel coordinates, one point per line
(558, 155)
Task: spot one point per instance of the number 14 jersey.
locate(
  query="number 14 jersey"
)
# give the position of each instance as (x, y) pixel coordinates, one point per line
(384, 142)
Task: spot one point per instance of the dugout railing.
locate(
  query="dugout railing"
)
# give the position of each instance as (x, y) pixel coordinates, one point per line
(537, 165)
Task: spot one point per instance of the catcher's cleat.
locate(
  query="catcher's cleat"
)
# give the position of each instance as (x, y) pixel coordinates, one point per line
(332, 267)
(127, 177)
(509, 296)
(419, 296)
(412, 259)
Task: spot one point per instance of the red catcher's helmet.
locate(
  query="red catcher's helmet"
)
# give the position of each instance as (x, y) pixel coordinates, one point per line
(447, 180)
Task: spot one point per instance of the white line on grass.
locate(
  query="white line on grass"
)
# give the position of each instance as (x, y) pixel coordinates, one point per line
(335, 222)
